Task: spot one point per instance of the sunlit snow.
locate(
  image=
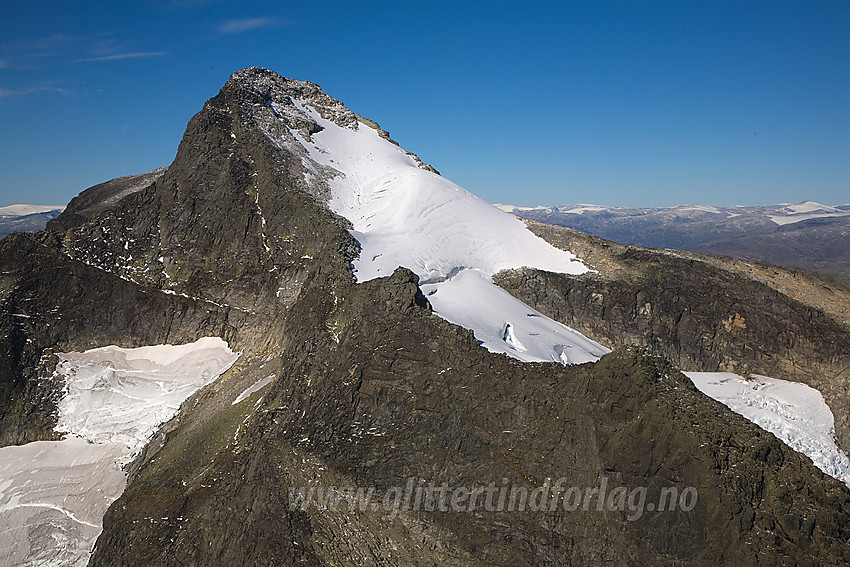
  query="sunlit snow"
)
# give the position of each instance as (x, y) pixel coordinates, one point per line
(806, 210)
(406, 216)
(700, 208)
(783, 220)
(53, 494)
(794, 412)
(123, 395)
(809, 207)
(403, 215)
(21, 210)
(472, 301)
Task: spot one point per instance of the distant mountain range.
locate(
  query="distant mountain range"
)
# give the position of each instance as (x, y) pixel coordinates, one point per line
(20, 218)
(808, 235)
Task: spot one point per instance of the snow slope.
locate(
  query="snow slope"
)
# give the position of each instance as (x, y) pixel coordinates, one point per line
(406, 216)
(53, 494)
(117, 395)
(699, 208)
(403, 215)
(580, 209)
(809, 207)
(472, 301)
(794, 412)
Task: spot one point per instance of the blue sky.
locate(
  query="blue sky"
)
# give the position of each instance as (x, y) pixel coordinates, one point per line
(619, 103)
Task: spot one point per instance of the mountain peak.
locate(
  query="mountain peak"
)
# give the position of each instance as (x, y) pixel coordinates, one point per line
(260, 90)
(285, 97)
(371, 380)
(260, 85)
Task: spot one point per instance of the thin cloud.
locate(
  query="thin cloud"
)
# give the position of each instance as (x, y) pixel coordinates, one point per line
(240, 26)
(136, 55)
(183, 5)
(6, 94)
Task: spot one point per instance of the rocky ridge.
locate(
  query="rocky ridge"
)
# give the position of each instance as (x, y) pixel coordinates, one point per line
(703, 313)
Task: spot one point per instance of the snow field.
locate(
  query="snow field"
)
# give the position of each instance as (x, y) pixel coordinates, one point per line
(53, 494)
(794, 412)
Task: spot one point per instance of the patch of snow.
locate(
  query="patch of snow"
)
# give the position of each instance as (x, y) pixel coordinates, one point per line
(471, 300)
(794, 412)
(809, 207)
(211, 302)
(580, 209)
(254, 388)
(53, 494)
(511, 208)
(117, 395)
(783, 220)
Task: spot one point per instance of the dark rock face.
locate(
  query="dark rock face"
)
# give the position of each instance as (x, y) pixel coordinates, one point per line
(102, 197)
(699, 316)
(371, 388)
(51, 303)
(406, 395)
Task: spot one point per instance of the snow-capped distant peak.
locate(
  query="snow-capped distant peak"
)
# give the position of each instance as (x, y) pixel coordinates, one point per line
(581, 208)
(807, 210)
(22, 210)
(512, 208)
(700, 208)
(809, 207)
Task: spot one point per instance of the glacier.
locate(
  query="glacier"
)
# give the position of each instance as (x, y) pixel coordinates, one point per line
(53, 494)
(794, 412)
(470, 299)
(405, 215)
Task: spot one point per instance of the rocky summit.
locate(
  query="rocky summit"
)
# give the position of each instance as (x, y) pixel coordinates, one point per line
(390, 404)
